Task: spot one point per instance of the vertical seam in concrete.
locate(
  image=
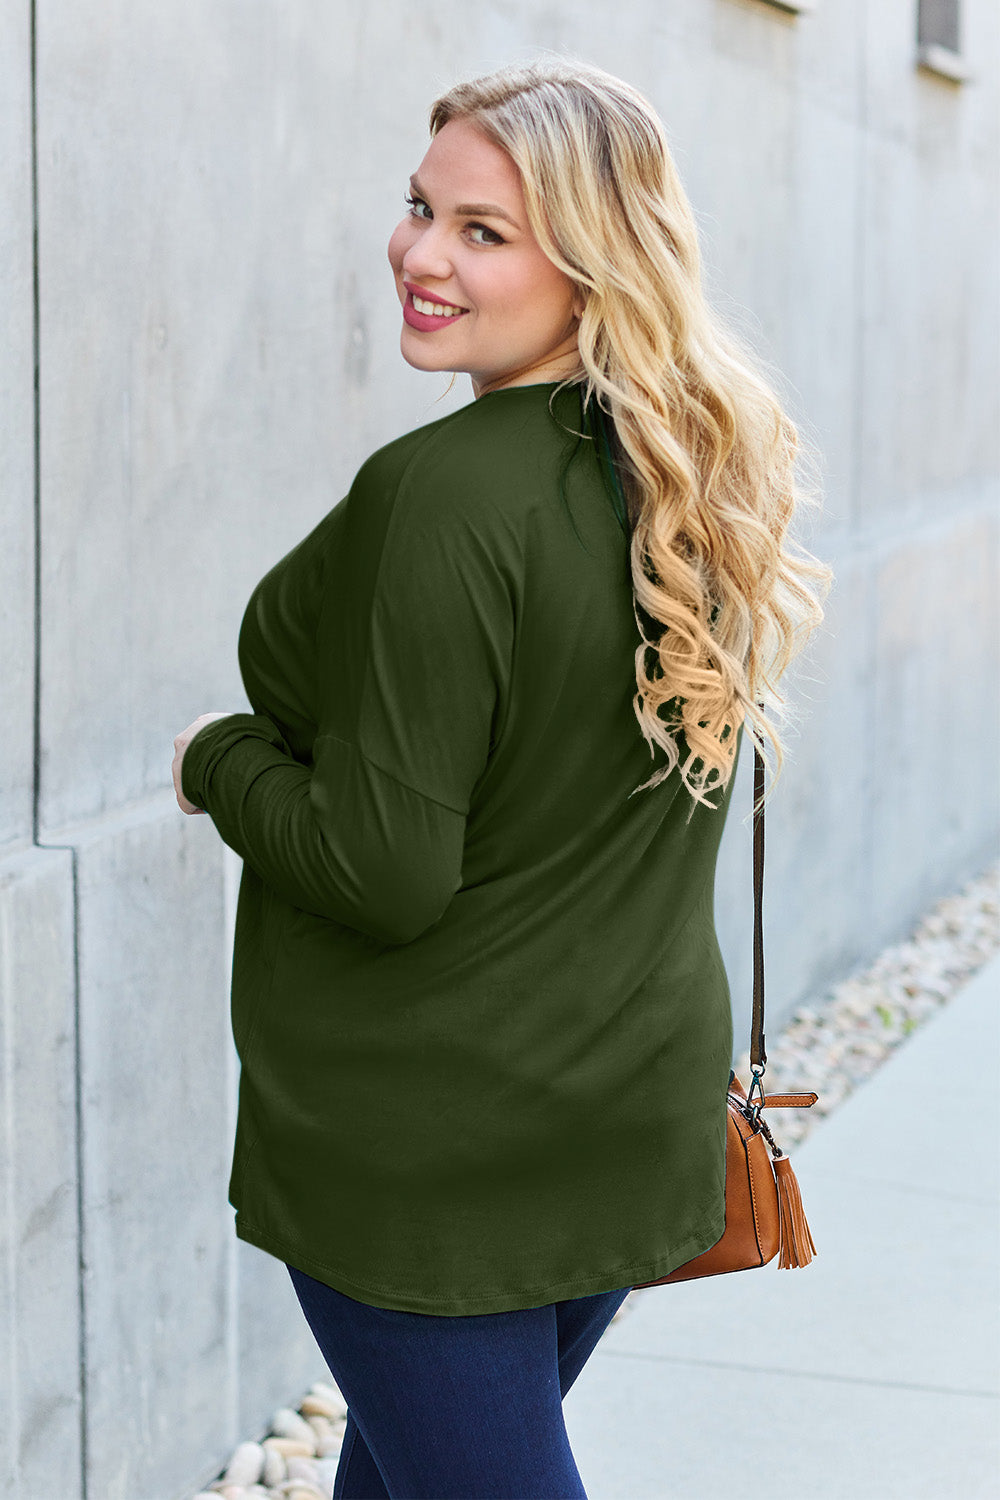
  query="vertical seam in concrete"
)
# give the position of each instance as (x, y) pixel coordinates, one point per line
(37, 730)
(36, 433)
(231, 879)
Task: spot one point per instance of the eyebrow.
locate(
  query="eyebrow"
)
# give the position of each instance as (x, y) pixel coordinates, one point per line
(491, 210)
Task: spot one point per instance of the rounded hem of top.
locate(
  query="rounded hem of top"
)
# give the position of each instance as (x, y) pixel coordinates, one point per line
(710, 1229)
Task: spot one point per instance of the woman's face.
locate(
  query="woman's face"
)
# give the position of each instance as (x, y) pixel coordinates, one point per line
(510, 316)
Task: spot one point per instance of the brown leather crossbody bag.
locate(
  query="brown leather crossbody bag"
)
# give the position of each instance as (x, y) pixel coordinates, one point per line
(764, 1215)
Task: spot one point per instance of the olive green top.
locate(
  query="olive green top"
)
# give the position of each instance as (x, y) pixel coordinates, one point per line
(480, 1008)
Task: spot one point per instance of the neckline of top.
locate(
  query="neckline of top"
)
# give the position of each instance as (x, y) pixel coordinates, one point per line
(535, 385)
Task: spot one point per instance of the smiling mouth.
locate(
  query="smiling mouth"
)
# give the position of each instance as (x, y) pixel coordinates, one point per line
(436, 309)
(426, 315)
(430, 306)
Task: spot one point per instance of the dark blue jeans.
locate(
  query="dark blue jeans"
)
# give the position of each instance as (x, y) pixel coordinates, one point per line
(459, 1408)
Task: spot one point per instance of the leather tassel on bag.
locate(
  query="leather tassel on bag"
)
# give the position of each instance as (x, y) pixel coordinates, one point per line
(796, 1247)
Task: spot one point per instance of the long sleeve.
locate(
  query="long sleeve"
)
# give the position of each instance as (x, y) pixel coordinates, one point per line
(413, 642)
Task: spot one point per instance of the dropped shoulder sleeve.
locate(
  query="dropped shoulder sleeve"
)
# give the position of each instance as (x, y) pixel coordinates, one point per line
(414, 633)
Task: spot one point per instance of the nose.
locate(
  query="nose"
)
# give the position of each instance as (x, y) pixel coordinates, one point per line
(427, 258)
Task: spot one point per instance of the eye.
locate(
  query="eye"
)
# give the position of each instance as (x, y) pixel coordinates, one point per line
(495, 239)
(411, 203)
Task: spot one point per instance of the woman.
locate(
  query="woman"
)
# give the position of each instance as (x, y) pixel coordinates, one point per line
(482, 1016)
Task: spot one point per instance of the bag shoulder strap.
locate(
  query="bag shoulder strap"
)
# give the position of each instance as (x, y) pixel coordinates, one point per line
(758, 1056)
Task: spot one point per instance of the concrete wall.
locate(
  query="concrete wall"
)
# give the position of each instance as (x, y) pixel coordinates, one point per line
(217, 342)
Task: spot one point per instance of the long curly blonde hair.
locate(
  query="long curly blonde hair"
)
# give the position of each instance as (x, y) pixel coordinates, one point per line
(705, 456)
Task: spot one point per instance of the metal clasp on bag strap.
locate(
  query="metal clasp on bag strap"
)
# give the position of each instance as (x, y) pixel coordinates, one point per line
(756, 1086)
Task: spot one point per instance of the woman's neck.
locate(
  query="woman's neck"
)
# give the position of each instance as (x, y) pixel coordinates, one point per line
(558, 365)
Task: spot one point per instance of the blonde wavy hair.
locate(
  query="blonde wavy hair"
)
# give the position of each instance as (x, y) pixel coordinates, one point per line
(705, 456)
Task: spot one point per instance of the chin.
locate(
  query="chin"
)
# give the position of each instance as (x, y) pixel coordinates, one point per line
(422, 358)
(418, 362)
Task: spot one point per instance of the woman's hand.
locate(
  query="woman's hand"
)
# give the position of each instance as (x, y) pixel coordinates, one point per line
(180, 745)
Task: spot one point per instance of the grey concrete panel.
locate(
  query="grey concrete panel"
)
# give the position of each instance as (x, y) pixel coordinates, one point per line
(39, 1315)
(219, 231)
(936, 714)
(930, 210)
(156, 1152)
(17, 459)
(278, 1356)
(775, 194)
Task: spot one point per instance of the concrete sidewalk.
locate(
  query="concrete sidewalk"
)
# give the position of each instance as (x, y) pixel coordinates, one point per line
(871, 1374)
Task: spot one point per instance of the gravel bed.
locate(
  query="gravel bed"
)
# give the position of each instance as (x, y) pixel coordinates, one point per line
(832, 1045)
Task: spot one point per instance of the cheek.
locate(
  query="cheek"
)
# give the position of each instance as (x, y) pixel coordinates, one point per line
(555, 292)
(532, 291)
(400, 241)
(500, 287)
